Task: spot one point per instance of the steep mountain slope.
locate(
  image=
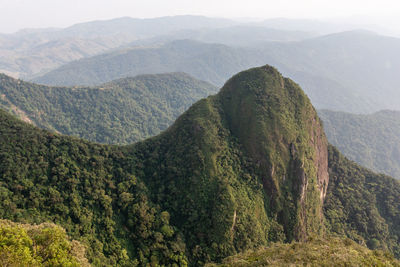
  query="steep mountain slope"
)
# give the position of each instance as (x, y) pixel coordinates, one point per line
(236, 171)
(362, 205)
(122, 111)
(371, 140)
(254, 168)
(350, 71)
(29, 53)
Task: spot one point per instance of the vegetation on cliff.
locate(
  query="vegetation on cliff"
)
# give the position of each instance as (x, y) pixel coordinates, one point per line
(237, 171)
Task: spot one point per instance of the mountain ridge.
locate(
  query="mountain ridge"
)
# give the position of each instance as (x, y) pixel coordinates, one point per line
(213, 184)
(369, 139)
(351, 71)
(121, 111)
(31, 53)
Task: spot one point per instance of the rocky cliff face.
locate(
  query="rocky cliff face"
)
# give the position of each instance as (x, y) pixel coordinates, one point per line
(252, 166)
(280, 130)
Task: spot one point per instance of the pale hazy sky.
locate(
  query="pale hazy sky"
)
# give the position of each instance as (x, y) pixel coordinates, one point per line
(17, 14)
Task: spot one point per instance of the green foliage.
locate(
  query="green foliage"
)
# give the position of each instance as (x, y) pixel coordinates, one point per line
(279, 129)
(362, 205)
(238, 170)
(38, 245)
(371, 140)
(84, 188)
(122, 111)
(195, 190)
(315, 252)
(238, 166)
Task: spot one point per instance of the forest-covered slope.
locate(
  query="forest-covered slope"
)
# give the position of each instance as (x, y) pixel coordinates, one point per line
(119, 112)
(254, 168)
(86, 189)
(362, 205)
(371, 140)
(238, 170)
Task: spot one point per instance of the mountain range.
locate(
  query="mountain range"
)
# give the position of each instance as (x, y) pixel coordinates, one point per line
(237, 171)
(349, 71)
(32, 52)
(242, 35)
(132, 109)
(121, 151)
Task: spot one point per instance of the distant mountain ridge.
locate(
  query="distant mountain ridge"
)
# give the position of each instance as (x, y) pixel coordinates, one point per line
(29, 53)
(213, 62)
(371, 140)
(350, 71)
(236, 35)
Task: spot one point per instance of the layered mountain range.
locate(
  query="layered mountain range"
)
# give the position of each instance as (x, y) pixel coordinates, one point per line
(132, 109)
(237, 171)
(349, 71)
(32, 52)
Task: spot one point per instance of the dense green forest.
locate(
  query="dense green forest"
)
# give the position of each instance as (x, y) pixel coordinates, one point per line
(86, 189)
(238, 170)
(362, 205)
(371, 140)
(119, 112)
(38, 245)
(131, 109)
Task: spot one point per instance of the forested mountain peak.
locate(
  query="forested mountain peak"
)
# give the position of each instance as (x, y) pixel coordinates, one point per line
(269, 112)
(257, 146)
(236, 171)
